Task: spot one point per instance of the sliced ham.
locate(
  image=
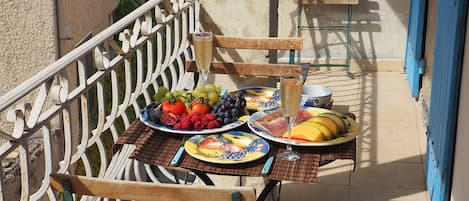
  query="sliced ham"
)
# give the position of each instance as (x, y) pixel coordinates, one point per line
(275, 123)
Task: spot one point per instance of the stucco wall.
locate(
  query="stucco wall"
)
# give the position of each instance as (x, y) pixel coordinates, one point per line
(27, 42)
(379, 29)
(30, 42)
(79, 17)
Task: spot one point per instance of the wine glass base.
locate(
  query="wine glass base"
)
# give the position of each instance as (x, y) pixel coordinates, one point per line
(288, 156)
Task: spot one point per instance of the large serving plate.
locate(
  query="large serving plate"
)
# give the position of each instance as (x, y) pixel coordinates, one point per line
(256, 128)
(260, 98)
(227, 148)
(146, 120)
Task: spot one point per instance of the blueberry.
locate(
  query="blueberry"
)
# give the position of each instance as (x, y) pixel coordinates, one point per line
(226, 120)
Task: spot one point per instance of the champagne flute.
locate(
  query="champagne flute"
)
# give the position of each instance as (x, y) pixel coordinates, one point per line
(203, 53)
(291, 86)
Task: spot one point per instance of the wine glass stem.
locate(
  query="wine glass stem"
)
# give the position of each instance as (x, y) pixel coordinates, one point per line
(290, 124)
(204, 75)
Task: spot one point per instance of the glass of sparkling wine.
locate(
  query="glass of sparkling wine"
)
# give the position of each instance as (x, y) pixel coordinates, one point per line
(203, 53)
(291, 86)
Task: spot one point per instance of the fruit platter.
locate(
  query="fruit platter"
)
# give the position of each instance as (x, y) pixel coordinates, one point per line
(314, 127)
(227, 148)
(203, 110)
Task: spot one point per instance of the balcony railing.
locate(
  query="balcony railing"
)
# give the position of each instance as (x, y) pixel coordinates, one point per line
(81, 100)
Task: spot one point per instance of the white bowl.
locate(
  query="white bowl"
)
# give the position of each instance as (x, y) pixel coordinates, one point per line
(316, 96)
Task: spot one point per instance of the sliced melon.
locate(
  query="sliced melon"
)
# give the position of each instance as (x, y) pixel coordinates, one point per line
(329, 123)
(327, 133)
(306, 132)
(338, 119)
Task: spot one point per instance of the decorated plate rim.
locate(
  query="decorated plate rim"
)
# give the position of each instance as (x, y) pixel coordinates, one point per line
(228, 161)
(257, 108)
(145, 119)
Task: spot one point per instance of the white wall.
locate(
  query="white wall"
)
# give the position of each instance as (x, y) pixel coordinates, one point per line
(459, 191)
(379, 28)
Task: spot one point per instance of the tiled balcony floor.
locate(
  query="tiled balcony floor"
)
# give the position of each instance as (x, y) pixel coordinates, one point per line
(390, 151)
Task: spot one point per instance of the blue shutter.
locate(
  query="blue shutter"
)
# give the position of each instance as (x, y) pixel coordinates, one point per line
(413, 63)
(447, 64)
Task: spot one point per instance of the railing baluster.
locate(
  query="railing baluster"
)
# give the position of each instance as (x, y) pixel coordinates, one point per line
(67, 134)
(128, 86)
(24, 165)
(114, 99)
(47, 165)
(86, 165)
(102, 157)
(84, 127)
(38, 105)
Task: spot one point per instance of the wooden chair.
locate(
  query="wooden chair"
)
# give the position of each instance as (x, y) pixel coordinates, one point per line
(144, 191)
(290, 44)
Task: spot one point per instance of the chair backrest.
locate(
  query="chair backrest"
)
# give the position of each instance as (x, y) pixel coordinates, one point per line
(291, 44)
(145, 191)
(326, 2)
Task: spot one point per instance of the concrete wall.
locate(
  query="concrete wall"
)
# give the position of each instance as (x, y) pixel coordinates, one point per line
(461, 163)
(379, 31)
(378, 35)
(429, 49)
(237, 18)
(76, 18)
(28, 44)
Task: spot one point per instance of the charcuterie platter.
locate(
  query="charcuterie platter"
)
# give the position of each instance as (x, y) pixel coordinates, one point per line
(314, 127)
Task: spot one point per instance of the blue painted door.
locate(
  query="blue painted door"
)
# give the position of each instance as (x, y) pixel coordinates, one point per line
(446, 76)
(413, 63)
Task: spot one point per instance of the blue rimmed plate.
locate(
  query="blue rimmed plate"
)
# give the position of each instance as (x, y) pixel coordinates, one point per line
(227, 148)
(146, 120)
(261, 98)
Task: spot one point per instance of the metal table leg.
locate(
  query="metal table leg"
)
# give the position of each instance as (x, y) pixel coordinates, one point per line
(267, 189)
(204, 177)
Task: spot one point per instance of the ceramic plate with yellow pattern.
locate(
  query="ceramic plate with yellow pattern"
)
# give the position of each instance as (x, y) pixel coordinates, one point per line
(227, 148)
(261, 98)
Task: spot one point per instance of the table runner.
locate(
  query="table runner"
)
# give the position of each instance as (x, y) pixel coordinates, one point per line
(158, 148)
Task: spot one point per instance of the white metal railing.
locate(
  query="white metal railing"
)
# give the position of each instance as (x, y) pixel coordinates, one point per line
(132, 58)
